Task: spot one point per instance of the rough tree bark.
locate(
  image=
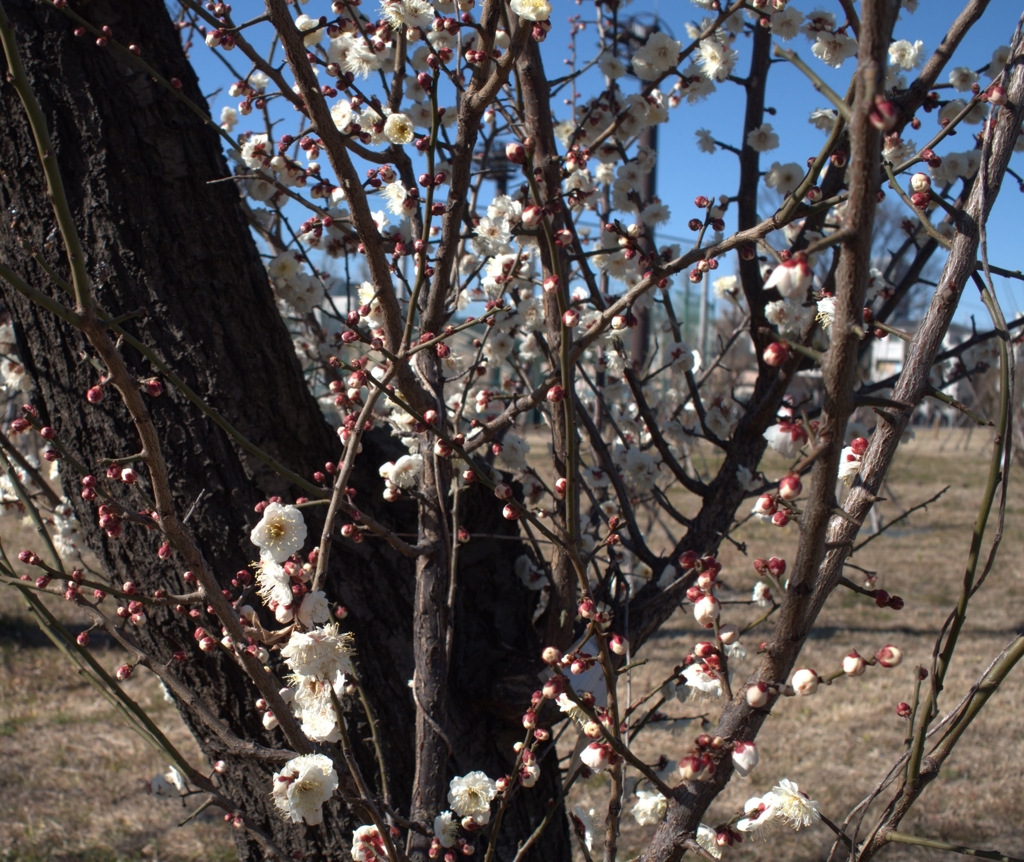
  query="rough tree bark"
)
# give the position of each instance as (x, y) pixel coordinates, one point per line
(162, 240)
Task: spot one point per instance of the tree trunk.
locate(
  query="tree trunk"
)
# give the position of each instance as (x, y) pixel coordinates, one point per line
(163, 240)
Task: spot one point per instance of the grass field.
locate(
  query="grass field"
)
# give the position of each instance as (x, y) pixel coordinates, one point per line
(73, 777)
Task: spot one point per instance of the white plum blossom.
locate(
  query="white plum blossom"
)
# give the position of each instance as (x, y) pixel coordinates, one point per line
(303, 785)
(826, 311)
(849, 465)
(471, 796)
(794, 806)
(762, 595)
(280, 533)
(398, 129)
(716, 60)
(784, 178)
(763, 138)
(823, 118)
(702, 680)
(404, 472)
(705, 141)
(313, 609)
(321, 653)
(650, 808)
(409, 13)
(759, 816)
(785, 24)
(962, 78)
(446, 829)
(657, 56)
(834, 48)
(905, 54)
(532, 10)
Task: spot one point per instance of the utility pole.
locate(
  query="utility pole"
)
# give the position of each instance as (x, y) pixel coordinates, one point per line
(637, 34)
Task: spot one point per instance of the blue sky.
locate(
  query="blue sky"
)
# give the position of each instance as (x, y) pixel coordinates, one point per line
(684, 172)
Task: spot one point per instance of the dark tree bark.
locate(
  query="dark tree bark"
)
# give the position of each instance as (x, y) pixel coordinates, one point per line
(163, 240)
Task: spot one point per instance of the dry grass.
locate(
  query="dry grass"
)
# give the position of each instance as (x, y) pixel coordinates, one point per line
(74, 775)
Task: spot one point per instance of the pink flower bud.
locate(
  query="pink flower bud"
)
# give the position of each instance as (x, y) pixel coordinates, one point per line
(728, 634)
(83, 639)
(805, 681)
(618, 644)
(129, 476)
(757, 695)
(687, 560)
(207, 644)
(619, 322)
(553, 687)
(859, 445)
(532, 215)
(555, 394)
(515, 152)
(996, 95)
(551, 655)
(597, 756)
(560, 487)
(94, 395)
(903, 710)
(129, 588)
(790, 487)
(854, 664)
(781, 518)
(766, 505)
(776, 567)
(503, 491)
(706, 611)
(123, 672)
(571, 318)
(889, 656)
(920, 182)
(776, 354)
(744, 757)
(510, 512)
(920, 200)
(551, 283)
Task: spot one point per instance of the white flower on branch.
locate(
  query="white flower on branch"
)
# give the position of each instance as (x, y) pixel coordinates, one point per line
(303, 785)
(275, 589)
(398, 129)
(321, 653)
(650, 808)
(759, 816)
(763, 138)
(658, 55)
(532, 10)
(314, 705)
(702, 681)
(786, 438)
(705, 141)
(280, 533)
(446, 829)
(834, 48)
(784, 178)
(849, 465)
(794, 806)
(999, 58)
(471, 796)
(785, 24)
(823, 118)
(716, 60)
(314, 609)
(311, 27)
(906, 55)
(404, 472)
(826, 311)
(707, 838)
(962, 78)
(407, 13)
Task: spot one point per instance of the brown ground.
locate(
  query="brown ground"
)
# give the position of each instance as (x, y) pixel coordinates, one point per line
(73, 775)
